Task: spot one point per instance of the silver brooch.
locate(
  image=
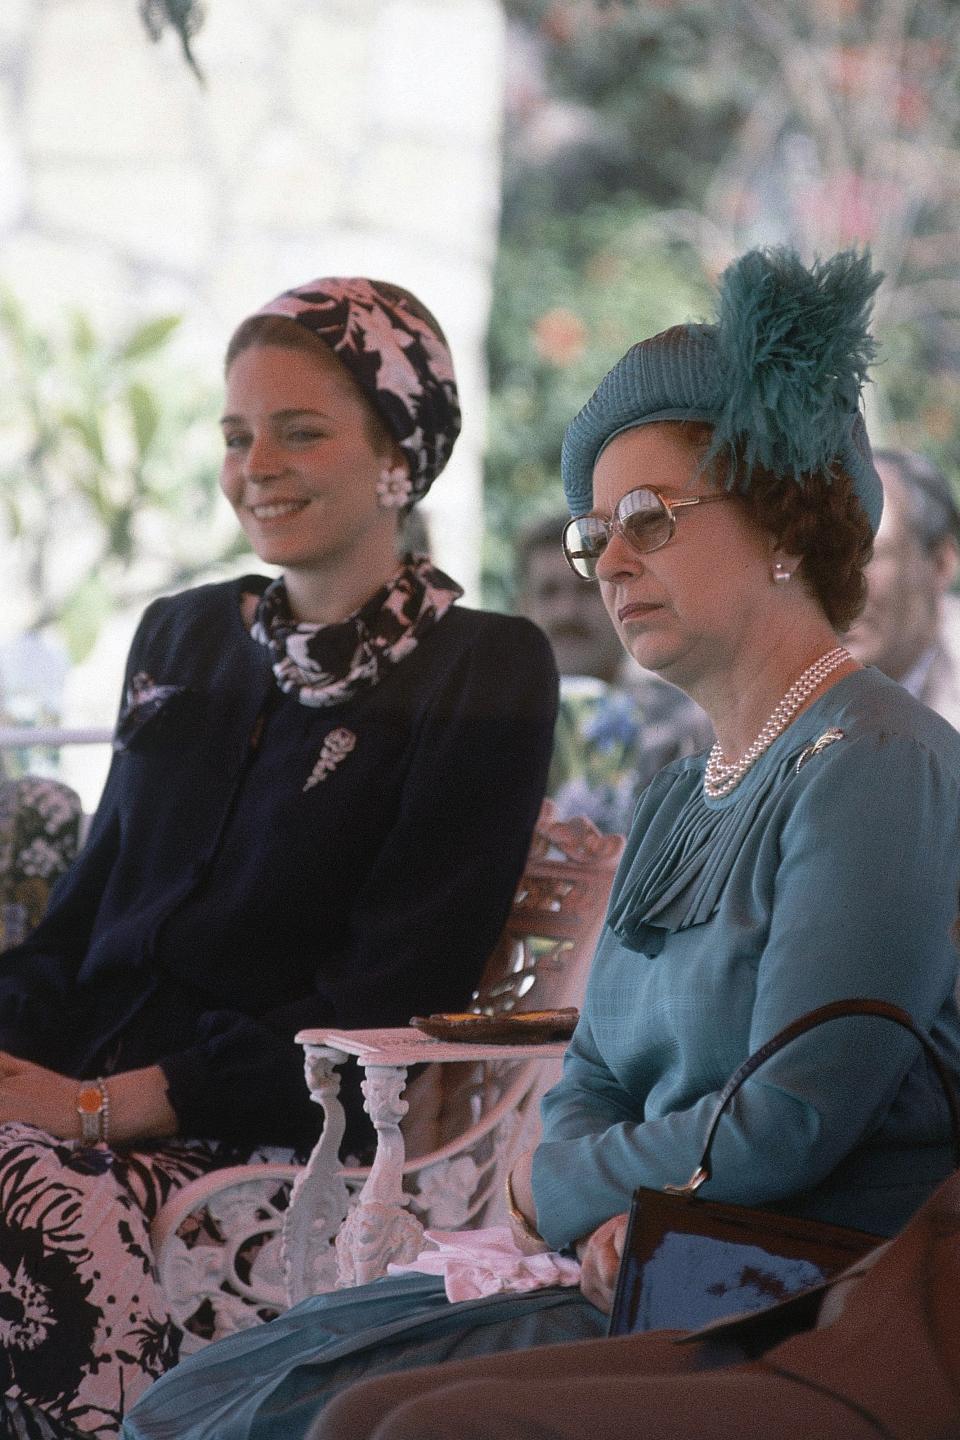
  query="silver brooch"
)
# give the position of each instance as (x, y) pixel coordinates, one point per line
(336, 747)
(827, 738)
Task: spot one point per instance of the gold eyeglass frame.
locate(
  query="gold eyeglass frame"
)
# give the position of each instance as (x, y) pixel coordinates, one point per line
(615, 526)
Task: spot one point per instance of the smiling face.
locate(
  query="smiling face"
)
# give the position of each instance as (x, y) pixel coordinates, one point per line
(304, 453)
(693, 607)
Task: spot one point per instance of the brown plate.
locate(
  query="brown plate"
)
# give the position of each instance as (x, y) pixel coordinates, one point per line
(526, 1027)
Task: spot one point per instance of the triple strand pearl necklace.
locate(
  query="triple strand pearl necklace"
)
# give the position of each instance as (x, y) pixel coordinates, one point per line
(719, 777)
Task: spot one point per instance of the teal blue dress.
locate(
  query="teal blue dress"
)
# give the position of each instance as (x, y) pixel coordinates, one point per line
(832, 870)
(732, 917)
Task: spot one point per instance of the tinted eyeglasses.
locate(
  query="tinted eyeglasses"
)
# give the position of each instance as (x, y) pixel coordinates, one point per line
(643, 517)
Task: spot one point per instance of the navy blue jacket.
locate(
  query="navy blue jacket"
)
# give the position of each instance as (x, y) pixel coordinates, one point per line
(221, 902)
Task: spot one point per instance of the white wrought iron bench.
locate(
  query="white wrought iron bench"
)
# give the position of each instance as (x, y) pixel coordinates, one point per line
(443, 1150)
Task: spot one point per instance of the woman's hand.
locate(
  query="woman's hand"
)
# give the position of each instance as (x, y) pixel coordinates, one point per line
(139, 1106)
(600, 1260)
(39, 1097)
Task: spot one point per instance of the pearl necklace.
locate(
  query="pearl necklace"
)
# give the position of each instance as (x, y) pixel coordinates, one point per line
(719, 777)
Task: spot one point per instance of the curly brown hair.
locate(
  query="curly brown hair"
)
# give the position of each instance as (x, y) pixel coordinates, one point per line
(819, 518)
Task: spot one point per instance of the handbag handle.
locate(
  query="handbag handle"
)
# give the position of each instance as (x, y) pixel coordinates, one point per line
(834, 1011)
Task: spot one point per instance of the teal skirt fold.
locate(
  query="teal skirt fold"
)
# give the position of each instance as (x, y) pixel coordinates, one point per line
(270, 1382)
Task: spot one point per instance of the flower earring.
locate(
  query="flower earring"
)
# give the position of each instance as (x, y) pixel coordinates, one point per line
(394, 487)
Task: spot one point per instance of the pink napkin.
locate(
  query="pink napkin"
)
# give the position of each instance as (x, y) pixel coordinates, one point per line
(487, 1262)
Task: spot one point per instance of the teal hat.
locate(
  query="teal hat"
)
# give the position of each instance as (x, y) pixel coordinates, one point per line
(778, 377)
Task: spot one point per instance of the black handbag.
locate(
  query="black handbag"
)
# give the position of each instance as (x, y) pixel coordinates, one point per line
(688, 1261)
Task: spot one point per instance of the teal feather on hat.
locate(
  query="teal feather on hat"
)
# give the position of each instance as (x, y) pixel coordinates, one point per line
(793, 349)
(778, 378)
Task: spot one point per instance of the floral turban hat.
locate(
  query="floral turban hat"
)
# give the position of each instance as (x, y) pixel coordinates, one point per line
(398, 355)
(778, 376)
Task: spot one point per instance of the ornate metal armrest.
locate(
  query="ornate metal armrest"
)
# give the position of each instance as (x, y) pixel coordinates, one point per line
(268, 1253)
(230, 1282)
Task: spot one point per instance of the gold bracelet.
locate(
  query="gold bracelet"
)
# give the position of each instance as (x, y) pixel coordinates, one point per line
(93, 1108)
(518, 1217)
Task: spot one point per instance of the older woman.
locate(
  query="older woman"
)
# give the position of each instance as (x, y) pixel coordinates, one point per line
(724, 496)
(322, 795)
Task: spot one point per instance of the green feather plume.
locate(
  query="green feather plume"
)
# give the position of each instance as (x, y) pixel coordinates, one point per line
(793, 348)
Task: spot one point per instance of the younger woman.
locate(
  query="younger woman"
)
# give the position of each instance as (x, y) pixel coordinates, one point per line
(322, 795)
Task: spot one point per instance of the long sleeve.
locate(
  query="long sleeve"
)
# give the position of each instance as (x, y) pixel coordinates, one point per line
(38, 977)
(851, 891)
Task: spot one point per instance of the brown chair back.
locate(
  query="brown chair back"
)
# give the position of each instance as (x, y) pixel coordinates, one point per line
(540, 962)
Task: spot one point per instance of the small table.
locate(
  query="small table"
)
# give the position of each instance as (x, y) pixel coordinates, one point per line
(380, 1228)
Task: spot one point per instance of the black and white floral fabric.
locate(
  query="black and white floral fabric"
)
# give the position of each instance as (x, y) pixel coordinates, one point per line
(327, 664)
(39, 836)
(397, 354)
(84, 1328)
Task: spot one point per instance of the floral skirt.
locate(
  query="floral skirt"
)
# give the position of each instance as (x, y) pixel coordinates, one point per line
(84, 1328)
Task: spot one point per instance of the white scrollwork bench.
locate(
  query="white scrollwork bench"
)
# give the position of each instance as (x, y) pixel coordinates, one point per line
(443, 1147)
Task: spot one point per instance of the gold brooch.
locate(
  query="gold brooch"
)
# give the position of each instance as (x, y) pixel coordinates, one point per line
(827, 738)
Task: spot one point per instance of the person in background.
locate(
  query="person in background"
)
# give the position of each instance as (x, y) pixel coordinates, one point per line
(617, 724)
(910, 625)
(322, 794)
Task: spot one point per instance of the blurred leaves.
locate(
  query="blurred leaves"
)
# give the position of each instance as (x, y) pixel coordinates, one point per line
(555, 329)
(648, 144)
(108, 468)
(146, 339)
(184, 17)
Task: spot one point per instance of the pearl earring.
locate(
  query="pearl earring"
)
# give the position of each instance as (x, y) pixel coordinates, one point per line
(780, 573)
(394, 487)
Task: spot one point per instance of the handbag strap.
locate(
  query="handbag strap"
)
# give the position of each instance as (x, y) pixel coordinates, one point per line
(834, 1011)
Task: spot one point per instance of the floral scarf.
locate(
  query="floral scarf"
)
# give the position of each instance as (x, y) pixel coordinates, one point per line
(398, 355)
(325, 665)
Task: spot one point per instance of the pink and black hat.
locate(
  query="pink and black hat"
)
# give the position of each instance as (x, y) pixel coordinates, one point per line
(398, 355)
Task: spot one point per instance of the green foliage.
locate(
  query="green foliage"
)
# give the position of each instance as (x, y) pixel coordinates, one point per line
(921, 397)
(659, 89)
(599, 284)
(108, 468)
(646, 145)
(147, 338)
(83, 612)
(582, 273)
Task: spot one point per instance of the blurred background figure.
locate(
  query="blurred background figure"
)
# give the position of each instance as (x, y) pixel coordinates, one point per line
(567, 610)
(618, 724)
(910, 627)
